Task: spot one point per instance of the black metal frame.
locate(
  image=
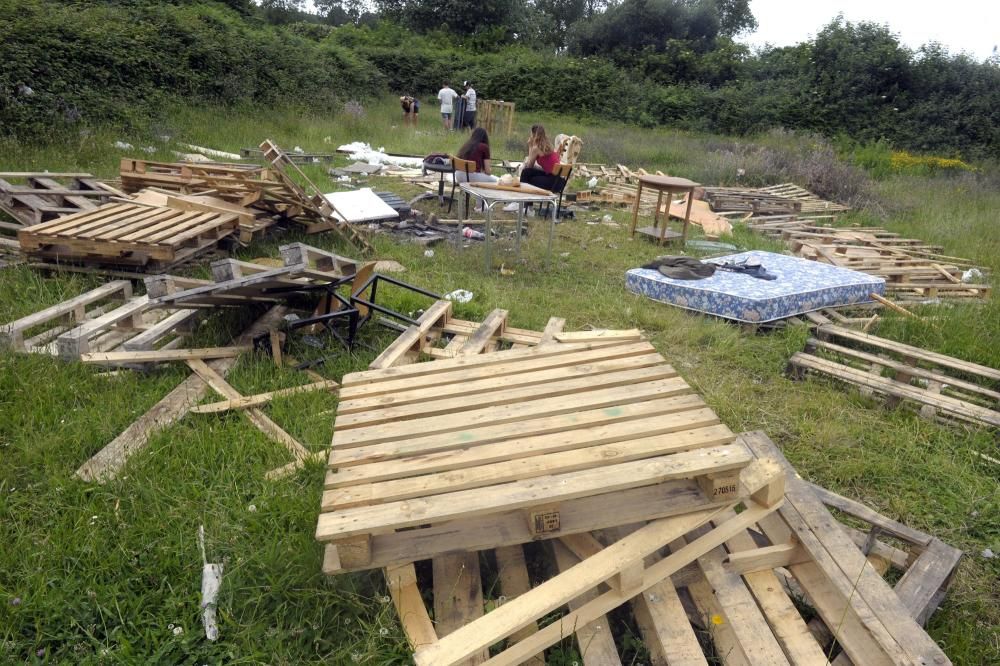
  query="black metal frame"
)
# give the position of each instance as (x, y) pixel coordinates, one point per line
(562, 183)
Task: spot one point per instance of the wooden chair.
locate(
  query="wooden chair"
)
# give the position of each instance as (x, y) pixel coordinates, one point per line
(458, 165)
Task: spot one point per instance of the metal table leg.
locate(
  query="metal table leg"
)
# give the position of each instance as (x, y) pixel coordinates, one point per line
(520, 222)
(552, 231)
(488, 239)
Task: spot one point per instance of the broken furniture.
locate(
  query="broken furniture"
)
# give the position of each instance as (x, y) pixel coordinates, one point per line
(671, 186)
(294, 156)
(802, 286)
(491, 194)
(941, 386)
(46, 196)
(362, 205)
(442, 170)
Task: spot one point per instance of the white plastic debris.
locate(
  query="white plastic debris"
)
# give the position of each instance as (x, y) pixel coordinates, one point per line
(123, 145)
(972, 275)
(459, 296)
(298, 150)
(428, 253)
(592, 183)
(988, 553)
(211, 581)
(211, 152)
(149, 150)
(363, 152)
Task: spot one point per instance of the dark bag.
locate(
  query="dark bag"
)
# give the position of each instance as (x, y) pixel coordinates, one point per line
(682, 268)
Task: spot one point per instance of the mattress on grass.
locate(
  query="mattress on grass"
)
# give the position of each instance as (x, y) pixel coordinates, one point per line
(802, 286)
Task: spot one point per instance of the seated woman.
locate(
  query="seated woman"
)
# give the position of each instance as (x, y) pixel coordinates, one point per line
(476, 149)
(541, 160)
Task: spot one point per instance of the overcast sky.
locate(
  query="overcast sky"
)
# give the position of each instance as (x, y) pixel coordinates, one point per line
(972, 26)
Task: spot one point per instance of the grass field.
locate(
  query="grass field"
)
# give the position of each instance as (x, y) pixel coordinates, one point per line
(97, 574)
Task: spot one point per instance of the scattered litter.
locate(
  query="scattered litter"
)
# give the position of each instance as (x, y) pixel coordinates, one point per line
(564, 254)
(124, 145)
(972, 275)
(327, 139)
(211, 580)
(428, 253)
(389, 266)
(506, 271)
(459, 295)
(191, 157)
(361, 151)
(298, 149)
(711, 246)
(988, 553)
(469, 232)
(211, 152)
(360, 206)
(592, 183)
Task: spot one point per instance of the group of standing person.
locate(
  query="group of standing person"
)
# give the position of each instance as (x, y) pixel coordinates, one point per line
(450, 118)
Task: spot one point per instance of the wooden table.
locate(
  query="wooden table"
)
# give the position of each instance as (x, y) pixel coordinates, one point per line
(490, 197)
(671, 186)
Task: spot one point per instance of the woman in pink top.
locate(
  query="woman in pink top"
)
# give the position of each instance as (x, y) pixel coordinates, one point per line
(541, 160)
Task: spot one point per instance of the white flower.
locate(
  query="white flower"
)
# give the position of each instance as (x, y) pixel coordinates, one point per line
(178, 631)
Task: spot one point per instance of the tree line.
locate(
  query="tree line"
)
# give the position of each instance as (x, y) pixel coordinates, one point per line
(648, 62)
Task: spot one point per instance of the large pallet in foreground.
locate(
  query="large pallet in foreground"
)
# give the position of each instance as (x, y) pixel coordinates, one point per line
(128, 235)
(500, 448)
(941, 386)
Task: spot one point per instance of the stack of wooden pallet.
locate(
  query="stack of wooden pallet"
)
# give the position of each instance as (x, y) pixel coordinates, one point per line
(775, 199)
(941, 386)
(912, 268)
(587, 450)
(39, 197)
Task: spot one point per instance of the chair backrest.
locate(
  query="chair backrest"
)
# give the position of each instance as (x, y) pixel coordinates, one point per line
(562, 173)
(465, 166)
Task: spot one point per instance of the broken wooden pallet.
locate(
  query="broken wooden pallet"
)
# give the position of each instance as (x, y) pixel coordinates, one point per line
(942, 386)
(125, 234)
(738, 594)
(39, 197)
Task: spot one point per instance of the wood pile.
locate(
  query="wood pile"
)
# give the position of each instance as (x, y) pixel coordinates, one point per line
(786, 198)
(912, 268)
(35, 198)
(491, 454)
(940, 386)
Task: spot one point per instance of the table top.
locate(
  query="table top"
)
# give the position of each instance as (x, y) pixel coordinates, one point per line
(491, 195)
(668, 181)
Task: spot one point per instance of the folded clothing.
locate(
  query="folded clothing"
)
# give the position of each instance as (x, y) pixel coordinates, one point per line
(682, 268)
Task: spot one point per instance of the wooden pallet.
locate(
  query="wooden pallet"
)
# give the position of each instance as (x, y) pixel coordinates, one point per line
(496, 116)
(125, 234)
(940, 385)
(40, 197)
(790, 587)
(751, 201)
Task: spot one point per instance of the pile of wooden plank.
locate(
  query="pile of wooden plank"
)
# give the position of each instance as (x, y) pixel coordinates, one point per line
(912, 268)
(939, 385)
(33, 198)
(586, 450)
(787, 198)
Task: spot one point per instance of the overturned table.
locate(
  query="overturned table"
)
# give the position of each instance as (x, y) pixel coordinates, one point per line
(671, 186)
(491, 195)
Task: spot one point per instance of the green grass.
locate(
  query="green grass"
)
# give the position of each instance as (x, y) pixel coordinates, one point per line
(100, 573)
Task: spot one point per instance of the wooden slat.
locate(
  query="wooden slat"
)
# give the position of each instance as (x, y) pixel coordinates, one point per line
(522, 494)
(458, 596)
(492, 325)
(594, 640)
(154, 356)
(512, 573)
(695, 426)
(411, 336)
(248, 401)
(402, 583)
(529, 427)
(602, 456)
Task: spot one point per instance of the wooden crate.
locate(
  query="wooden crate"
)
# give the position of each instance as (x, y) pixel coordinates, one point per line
(39, 197)
(941, 386)
(569, 436)
(496, 116)
(128, 235)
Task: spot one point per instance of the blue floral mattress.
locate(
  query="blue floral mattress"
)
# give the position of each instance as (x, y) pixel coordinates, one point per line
(802, 285)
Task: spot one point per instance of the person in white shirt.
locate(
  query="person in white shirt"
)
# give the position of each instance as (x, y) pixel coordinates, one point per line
(470, 106)
(447, 97)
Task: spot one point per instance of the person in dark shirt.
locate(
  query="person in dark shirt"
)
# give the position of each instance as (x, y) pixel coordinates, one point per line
(477, 149)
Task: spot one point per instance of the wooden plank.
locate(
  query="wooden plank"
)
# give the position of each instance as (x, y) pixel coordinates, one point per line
(601, 398)
(73, 343)
(411, 336)
(158, 356)
(912, 352)
(952, 406)
(859, 510)
(492, 325)
(454, 407)
(922, 587)
(529, 427)
(445, 651)
(698, 427)
(402, 583)
(512, 572)
(593, 639)
(458, 597)
(107, 462)
(599, 335)
(555, 325)
(257, 417)
(249, 401)
(414, 371)
(356, 521)
(387, 391)
(148, 338)
(521, 468)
